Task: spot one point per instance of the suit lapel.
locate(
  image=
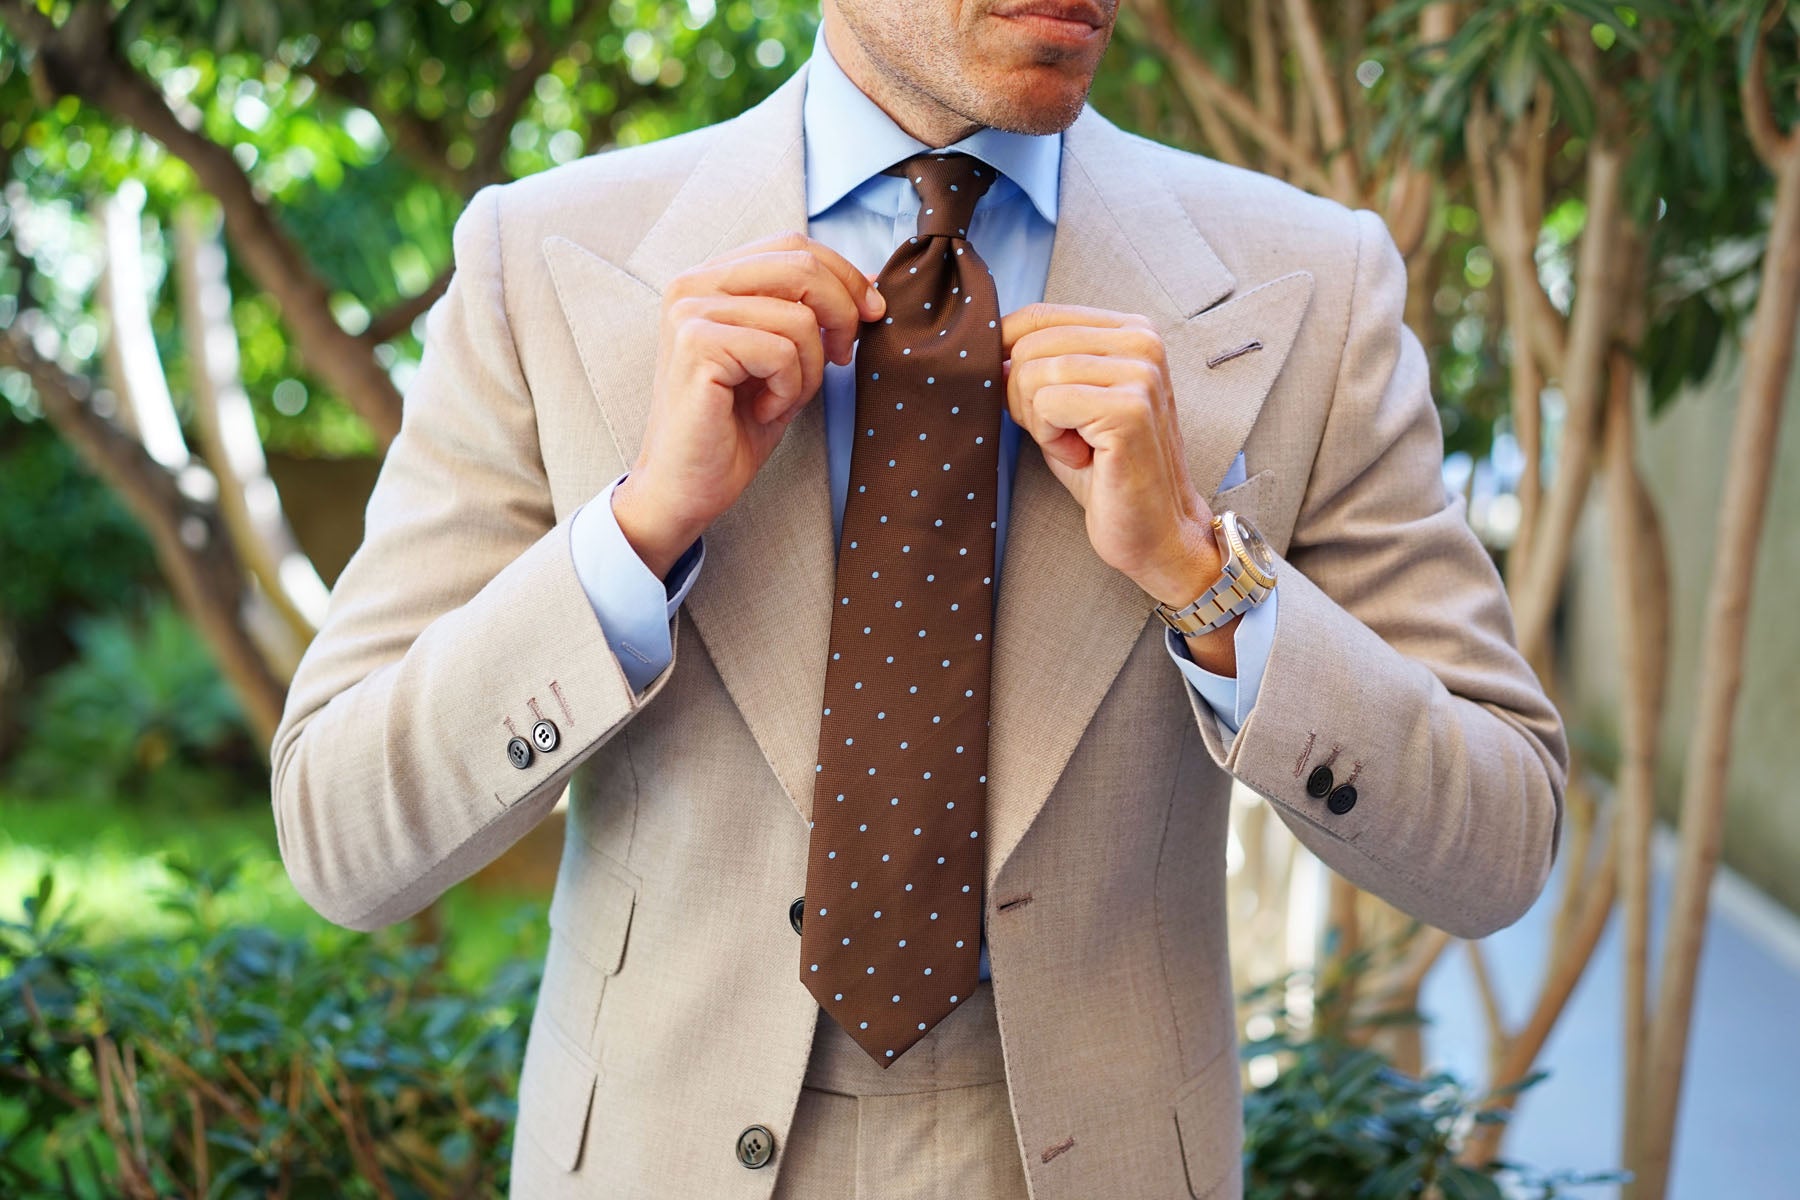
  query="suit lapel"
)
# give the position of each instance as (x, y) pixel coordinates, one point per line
(1064, 620)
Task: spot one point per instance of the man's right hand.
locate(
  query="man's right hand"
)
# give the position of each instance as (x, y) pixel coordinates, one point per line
(742, 347)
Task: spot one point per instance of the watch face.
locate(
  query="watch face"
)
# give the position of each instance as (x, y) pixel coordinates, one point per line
(1262, 558)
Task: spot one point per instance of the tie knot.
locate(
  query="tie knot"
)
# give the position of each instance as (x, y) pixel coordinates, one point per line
(948, 185)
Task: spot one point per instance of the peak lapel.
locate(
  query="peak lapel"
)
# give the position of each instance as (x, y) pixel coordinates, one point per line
(1065, 621)
(762, 603)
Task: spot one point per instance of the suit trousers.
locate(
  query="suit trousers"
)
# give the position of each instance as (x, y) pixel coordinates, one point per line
(937, 1124)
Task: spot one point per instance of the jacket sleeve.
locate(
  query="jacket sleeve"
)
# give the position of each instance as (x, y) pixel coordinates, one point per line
(458, 624)
(1394, 664)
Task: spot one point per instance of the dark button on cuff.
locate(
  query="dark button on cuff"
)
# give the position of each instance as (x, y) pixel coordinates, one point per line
(519, 751)
(1342, 800)
(796, 910)
(545, 735)
(1318, 783)
(755, 1146)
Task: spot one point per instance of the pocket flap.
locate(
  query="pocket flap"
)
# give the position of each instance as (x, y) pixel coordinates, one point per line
(592, 906)
(1209, 1119)
(556, 1090)
(1246, 496)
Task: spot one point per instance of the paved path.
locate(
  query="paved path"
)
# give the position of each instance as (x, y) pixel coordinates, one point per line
(1739, 1137)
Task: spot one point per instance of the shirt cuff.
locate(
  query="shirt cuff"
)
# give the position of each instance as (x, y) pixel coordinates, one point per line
(633, 606)
(1231, 699)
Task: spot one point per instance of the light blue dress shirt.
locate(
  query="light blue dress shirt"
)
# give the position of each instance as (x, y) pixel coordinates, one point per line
(864, 215)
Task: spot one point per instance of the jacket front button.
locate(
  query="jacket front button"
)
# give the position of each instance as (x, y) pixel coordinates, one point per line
(1342, 800)
(796, 910)
(1318, 783)
(755, 1146)
(519, 751)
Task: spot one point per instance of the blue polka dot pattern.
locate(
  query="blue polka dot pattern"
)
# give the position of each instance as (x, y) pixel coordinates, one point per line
(897, 856)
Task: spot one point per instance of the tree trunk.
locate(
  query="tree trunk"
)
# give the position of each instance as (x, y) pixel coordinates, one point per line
(1768, 363)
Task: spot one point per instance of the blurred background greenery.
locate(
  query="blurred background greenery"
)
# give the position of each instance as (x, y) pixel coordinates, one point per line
(1586, 195)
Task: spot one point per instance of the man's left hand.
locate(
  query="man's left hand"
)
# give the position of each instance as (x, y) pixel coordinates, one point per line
(1092, 388)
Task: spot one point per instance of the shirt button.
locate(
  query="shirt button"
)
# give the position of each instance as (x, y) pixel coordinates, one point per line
(755, 1146)
(1342, 800)
(796, 910)
(519, 751)
(1318, 783)
(545, 735)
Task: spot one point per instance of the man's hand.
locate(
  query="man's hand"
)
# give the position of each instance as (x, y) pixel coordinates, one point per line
(1092, 388)
(742, 347)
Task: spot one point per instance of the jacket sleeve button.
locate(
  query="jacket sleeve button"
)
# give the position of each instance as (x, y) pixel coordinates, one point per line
(1318, 783)
(519, 751)
(545, 735)
(1342, 800)
(796, 910)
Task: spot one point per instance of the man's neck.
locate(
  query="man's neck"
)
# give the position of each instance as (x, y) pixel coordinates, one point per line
(919, 115)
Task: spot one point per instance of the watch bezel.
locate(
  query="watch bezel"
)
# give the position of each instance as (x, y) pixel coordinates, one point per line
(1241, 535)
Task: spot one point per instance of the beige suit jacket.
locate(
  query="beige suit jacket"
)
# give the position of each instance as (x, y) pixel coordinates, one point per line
(672, 1015)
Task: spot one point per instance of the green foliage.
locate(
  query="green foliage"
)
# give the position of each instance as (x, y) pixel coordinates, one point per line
(228, 1060)
(66, 542)
(334, 1060)
(1661, 79)
(141, 716)
(366, 124)
(1339, 1122)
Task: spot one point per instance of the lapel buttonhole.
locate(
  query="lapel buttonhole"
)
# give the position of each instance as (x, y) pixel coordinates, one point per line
(1226, 357)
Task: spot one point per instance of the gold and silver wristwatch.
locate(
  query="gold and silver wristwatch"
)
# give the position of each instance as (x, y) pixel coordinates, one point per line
(1247, 580)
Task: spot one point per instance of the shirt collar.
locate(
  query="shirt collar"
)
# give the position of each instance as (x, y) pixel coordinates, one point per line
(849, 139)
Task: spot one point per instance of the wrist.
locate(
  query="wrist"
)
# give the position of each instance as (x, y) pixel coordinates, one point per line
(1189, 569)
(1194, 567)
(657, 539)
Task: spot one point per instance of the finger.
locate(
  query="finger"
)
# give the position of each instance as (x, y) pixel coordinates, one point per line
(1104, 370)
(801, 276)
(865, 298)
(1032, 317)
(1061, 410)
(1123, 341)
(789, 318)
(731, 355)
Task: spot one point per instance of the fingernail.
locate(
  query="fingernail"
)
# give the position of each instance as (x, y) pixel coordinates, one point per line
(874, 299)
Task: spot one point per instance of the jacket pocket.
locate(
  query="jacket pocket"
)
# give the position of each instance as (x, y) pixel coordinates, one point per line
(1209, 1120)
(590, 918)
(556, 1090)
(1247, 496)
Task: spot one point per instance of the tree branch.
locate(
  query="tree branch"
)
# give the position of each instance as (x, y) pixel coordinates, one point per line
(79, 59)
(1321, 84)
(188, 535)
(391, 322)
(1200, 85)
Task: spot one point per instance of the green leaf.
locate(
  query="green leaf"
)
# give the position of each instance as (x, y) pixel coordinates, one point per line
(1517, 75)
(1573, 101)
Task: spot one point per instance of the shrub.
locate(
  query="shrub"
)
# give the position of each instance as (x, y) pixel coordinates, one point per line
(222, 1061)
(141, 714)
(1339, 1122)
(228, 1060)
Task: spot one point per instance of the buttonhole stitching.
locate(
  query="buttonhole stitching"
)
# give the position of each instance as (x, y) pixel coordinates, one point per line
(1226, 357)
(1057, 1149)
(1305, 753)
(556, 690)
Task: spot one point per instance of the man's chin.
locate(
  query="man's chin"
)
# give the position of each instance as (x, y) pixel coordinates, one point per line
(1035, 114)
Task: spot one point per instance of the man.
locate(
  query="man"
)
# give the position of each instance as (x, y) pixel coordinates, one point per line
(634, 538)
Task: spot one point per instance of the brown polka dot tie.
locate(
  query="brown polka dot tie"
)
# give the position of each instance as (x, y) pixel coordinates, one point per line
(890, 942)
